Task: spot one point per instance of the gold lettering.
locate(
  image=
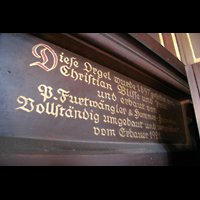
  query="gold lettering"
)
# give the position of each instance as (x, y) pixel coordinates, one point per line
(106, 95)
(85, 114)
(121, 89)
(160, 105)
(95, 130)
(164, 120)
(64, 70)
(170, 102)
(124, 83)
(122, 122)
(61, 111)
(147, 100)
(38, 106)
(129, 93)
(104, 132)
(87, 78)
(99, 72)
(66, 60)
(45, 91)
(68, 112)
(79, 114)
(111, 132)
(108, 86)
(129, 133)
(81, 100)
(61, 57)
(80, 76)
(44, 57)
(64, 94)
(100, 95)
(88, 67)
(73, 72)
(52, 109)
(96, 118)
(109, 76)
(151, 109)
(150, 126)
(122, 132)
(144, 115)
(25, 102)
(154, 135)
(102, 84)
(132, 103)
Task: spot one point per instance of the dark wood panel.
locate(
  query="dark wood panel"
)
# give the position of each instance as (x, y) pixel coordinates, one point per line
(86, 160)
(19, 145)
(156, 159)
(89, 99)
(63, 96)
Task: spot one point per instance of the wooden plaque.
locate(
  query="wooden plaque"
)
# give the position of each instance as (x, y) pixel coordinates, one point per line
(49, 92)
(53, 95)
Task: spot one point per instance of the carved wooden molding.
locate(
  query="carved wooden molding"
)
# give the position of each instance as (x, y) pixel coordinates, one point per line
(129, 55)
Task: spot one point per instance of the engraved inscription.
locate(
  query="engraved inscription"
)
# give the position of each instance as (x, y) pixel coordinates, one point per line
(116, 106)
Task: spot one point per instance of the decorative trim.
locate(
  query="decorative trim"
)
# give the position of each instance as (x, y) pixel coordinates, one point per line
(161, 39)
(192, 50)
(175, 46)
